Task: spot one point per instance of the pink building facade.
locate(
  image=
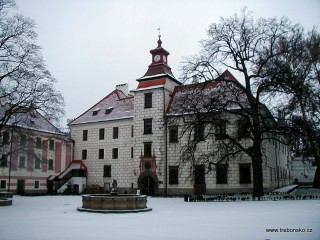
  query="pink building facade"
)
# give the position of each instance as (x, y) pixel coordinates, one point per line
(32, 154)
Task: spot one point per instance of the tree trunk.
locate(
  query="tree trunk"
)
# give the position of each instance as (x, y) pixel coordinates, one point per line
(257, 153)
(257, 178)
(316, 180)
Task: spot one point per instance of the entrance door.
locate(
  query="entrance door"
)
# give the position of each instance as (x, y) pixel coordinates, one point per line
(50, 186)
(147, 187)
(20, 186)
(199, 180)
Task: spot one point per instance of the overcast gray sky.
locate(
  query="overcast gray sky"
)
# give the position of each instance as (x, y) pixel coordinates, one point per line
(91, 46)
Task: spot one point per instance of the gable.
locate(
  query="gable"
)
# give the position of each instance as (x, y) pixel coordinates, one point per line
(114, 106)
(219, 94)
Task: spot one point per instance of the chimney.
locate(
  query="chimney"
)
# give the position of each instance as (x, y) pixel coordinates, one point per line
(123, 88)
(195, 79)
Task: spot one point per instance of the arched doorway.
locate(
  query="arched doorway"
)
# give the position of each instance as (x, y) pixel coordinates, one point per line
(148, 184)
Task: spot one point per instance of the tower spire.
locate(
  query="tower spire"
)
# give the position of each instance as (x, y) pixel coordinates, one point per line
(159, 40)
(159, 63)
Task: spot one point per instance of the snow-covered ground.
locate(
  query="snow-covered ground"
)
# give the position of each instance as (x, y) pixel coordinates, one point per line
(57, 218)
(285, 189)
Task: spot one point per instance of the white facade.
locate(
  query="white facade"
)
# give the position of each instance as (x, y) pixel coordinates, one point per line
(121, 164)
(276, 159)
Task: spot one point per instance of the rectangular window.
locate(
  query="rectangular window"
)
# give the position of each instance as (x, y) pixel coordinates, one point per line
(38, 142)
(173, 174)
(101, 133)
(114, 153)
(4, 160)
(222, 173)
(51, 144)
(245, 173)
(107, 171)
(148, 100)
(23, 140)
(115, 132)
(84, 154)
(131, 152)
(6, 138)
(37, 163)
(220, 130)
(173, 134)
(3, 184)
(22, 162)
(101, 153)
(132, 127)
(148, 149)
(36, 184)
(50, 164)
(147, 126)
(85, 135)
(243, 128)
(199, 131)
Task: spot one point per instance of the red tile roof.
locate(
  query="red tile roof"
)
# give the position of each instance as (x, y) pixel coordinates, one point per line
(74, 165)
(152, 83)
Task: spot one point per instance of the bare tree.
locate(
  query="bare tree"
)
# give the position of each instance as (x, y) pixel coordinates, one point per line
(244, 46)
(25, 83)
(297, 80)
(26, 86)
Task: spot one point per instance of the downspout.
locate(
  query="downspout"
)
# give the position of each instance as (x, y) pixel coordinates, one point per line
(166, 157)
(165, 145)
(275, 152)
(9, 183)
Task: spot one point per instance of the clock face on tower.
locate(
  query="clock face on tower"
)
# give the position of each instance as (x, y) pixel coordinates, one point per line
(156, 58)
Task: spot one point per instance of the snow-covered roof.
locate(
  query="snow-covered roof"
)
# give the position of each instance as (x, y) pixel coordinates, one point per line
(31, 120)
(113, 107)
(207, 96)
(156, 76)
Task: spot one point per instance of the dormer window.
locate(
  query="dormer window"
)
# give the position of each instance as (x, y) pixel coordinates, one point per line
(95, 112)
(109, 110)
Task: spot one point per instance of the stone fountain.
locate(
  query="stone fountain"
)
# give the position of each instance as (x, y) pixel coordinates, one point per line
(114, 202)
(5, 198)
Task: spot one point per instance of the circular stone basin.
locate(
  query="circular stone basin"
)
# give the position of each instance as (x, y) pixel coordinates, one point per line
(5, 202)
(107, 203)
(5, 198)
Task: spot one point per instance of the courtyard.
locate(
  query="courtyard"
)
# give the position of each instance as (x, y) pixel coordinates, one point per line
(56, 217)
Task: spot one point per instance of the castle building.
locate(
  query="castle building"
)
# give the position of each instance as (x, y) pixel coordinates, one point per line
(303, 170)
(126, 136)
(33, 152)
